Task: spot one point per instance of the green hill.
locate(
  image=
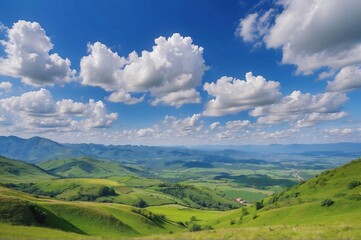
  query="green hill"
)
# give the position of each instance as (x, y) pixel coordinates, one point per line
(88, 218)
(197, 197)
(84, 167)
(17, 171)
(332, 198)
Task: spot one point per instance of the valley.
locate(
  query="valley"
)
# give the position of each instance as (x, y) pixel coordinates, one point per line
(170, 191)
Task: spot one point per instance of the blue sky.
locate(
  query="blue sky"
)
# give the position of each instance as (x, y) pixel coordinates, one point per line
(181, 72)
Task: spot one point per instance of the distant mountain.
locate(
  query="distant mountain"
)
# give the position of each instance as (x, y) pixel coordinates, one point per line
(35, 149)
(19, 171)
(329, 148)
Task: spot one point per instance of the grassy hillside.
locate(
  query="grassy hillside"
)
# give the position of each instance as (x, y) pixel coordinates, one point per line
(89, 218)
(84, 167)
(332, 198)
(17, 171)
(197, 197)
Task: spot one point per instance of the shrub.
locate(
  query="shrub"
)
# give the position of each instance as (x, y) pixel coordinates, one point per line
(259, 205)
(327, 203)
(194, 227)
(354, 184)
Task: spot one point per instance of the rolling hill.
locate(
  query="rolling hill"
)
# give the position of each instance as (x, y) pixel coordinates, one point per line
(13, 171)
(80, 219)
(84, 167)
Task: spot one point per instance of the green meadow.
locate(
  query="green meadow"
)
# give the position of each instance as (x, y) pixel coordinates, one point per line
(50, 203)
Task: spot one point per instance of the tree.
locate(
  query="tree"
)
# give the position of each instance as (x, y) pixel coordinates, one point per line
(259, 205)
(194, 227)
(141, 203)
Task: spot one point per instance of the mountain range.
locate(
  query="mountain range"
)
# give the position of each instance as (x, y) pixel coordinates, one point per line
(37, 149)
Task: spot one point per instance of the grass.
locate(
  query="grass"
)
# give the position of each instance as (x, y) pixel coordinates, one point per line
(274, 232)
(90, 218)
(292, 214)
(84, 167)
(183, 214)
(13, 171)
(33, 232)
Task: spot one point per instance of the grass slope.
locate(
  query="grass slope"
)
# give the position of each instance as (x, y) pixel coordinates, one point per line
(303, 204)
(84, 167)
(89, 218)
(17, 171)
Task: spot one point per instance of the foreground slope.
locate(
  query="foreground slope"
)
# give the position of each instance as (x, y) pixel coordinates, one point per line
(86, 218)
(332, 198)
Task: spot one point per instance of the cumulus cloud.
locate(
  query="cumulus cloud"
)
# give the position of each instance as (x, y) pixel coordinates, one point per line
(349, 78)
(6, 86)
(296, 105)
(312, 33)
(170, 72)
(28, 56)
(234, 95)
(37, 110)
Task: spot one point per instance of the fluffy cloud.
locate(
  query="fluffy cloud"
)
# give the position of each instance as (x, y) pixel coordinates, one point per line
(6, 86)
(312, 33)
(233, 95)
(37, 111)
(27, 56)
(349, 78)
(296, 105)
(170, 72)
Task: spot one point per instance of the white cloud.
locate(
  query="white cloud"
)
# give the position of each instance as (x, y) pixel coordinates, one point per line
(255, 26)
(349, 78)
(183, 127)
(296, 105)
(101, 68)
(170, 130)
(179, 98)
(313, 118)
(27, 56)
(318, 33)
(214, 125)
(237, 124)
(312, 33)
(122, 96)
(6, 86)
(170, 72)
(37, 111)
(233, 95)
